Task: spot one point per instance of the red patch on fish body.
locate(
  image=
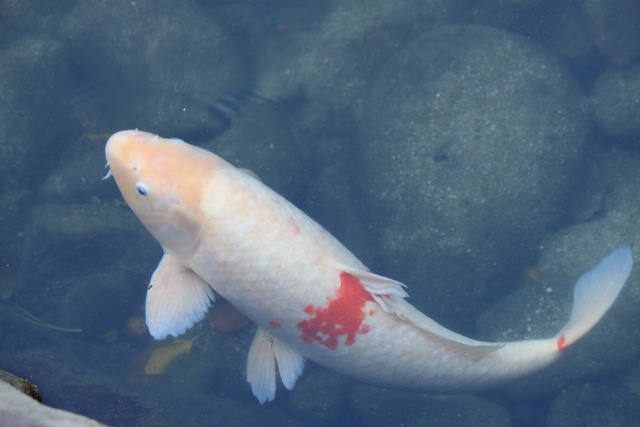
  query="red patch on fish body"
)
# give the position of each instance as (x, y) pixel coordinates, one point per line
(342, 316)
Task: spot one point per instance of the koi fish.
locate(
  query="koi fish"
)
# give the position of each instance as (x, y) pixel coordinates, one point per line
(222, 229)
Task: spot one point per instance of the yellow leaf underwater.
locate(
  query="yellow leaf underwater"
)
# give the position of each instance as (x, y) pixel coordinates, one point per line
(162, 356)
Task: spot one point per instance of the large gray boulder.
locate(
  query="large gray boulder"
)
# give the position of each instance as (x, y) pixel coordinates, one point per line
(472, 144)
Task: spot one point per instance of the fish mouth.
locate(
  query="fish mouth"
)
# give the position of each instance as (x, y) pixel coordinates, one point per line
(108, 175)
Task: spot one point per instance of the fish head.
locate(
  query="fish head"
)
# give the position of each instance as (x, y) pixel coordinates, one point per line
(162, 182)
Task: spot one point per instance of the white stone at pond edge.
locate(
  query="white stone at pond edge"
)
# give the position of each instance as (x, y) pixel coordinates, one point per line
(19, 410)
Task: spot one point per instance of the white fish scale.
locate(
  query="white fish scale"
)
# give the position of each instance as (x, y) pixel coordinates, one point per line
(253, 270)
(400, 356)
(274, 279)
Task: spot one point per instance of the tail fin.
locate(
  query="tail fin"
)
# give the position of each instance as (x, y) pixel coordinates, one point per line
(594, 293)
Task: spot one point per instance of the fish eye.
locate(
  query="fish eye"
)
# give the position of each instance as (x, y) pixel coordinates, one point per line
(142, 188)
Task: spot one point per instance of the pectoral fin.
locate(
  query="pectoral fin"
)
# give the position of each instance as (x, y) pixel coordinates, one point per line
(177, 298)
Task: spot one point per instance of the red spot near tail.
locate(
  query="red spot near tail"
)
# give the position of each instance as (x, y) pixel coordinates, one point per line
(274, 324)
(561, 344)
(342, 316)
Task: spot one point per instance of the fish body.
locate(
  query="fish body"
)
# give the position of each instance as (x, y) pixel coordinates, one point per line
(222, 229)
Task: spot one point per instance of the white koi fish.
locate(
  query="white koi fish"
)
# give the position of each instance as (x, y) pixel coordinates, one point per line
(222, 229)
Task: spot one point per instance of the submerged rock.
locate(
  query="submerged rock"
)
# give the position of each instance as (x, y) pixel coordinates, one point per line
(595, 406)
(375, 407)
(22, 385)
(471, 152)
(616, 99)
(160, 65)
(19, 410)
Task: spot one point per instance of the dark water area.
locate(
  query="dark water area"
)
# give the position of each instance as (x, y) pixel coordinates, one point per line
(484, 153)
